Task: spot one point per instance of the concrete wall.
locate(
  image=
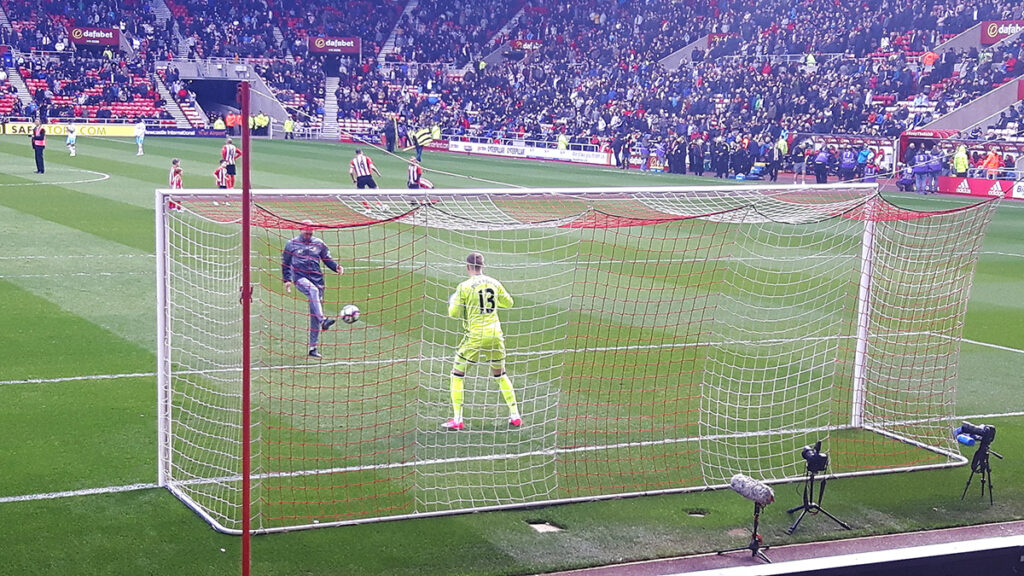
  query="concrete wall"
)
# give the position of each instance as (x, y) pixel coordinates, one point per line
(216, 69)
(675, 59)
(963, 40)
(967, 116)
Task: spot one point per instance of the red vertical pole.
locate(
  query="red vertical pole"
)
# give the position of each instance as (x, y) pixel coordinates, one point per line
(246, 307)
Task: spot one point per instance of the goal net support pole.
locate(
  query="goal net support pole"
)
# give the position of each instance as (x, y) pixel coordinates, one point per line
(863, 321)
(245, 295)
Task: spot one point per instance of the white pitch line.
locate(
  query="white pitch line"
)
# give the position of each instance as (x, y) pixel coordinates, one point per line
(78, 275)
(79, 378)
(531, 354)
(996, 346)
(101, 177)
(994, 253)
(538, 353)
(73, 493)
(552, 451)
(76, 256)
(962, 200)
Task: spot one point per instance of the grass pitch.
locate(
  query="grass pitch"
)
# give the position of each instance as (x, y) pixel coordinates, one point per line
(76, 299)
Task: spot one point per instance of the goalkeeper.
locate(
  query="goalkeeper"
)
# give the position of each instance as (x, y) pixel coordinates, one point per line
(476, 302)
(300, 265)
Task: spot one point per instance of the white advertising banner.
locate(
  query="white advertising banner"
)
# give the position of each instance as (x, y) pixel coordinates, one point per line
(532, 152)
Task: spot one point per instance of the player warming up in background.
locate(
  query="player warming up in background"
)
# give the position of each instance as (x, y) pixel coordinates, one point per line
(230, 154)
(72, 139)
(415, 174)
(140, 135)
(174, 177)
(300, 265)
(361, 170)
(476, 302)
(220, 175)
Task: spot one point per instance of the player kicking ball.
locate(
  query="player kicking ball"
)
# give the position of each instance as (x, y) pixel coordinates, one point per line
(476, 302)
(300, 266)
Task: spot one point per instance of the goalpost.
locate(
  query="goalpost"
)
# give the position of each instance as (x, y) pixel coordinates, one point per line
(662, 340)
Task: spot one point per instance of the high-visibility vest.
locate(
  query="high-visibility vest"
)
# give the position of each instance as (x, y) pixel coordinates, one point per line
(38, 137)
(422, 137)
(960, 162)
(289, 125)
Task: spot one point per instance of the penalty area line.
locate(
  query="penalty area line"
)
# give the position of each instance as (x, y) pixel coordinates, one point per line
(514, 354)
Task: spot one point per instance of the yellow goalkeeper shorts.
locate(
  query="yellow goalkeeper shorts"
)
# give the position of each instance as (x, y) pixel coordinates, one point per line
(488, 348)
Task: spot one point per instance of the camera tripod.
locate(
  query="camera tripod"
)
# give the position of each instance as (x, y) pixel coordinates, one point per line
(754, 546)
(809, 505)
(980, 465)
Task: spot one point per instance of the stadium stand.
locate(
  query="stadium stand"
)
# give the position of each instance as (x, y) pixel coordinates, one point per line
(10, 104)
(298, 84)
(239, 28)
(183, 97)
(91, 88)
(591, 71)
(373, 22)
(152, 41)
(450, 32)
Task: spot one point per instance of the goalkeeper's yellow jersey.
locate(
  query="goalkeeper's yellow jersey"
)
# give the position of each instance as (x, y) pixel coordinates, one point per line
(476, 302)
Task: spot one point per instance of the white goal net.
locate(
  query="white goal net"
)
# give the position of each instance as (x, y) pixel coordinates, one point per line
(661, 340)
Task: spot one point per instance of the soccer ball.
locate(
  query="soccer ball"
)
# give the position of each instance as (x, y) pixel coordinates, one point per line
(349, 314)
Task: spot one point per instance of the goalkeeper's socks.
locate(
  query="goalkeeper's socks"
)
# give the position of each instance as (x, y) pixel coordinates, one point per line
(457, 396)
(509, 394)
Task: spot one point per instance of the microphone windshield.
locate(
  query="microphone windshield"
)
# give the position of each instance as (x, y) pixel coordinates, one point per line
(751, 489)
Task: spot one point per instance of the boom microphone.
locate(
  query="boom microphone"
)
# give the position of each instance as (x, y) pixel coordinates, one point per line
(759, 492)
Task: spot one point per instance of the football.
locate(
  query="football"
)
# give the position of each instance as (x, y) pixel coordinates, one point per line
(350, 313)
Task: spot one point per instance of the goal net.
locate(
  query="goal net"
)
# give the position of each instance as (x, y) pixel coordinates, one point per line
(661, 340)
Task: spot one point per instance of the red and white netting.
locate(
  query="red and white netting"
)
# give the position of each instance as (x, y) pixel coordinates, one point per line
(662, 339)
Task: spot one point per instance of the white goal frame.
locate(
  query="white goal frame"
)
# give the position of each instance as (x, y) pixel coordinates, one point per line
(165, 425)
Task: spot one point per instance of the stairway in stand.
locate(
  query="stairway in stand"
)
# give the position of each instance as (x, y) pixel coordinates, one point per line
(389, 44)
(181, 118)
(330, 127)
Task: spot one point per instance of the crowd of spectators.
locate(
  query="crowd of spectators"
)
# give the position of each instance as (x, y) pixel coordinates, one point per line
(595, 72)
(42, 24)
(238, 28)
(298, 84)
(82, 87)
(152, 40)
(593, 68)
(371, 21)
(454, 32)
(1010, 124)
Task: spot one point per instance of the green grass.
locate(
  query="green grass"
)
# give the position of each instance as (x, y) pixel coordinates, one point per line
(76, 298)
